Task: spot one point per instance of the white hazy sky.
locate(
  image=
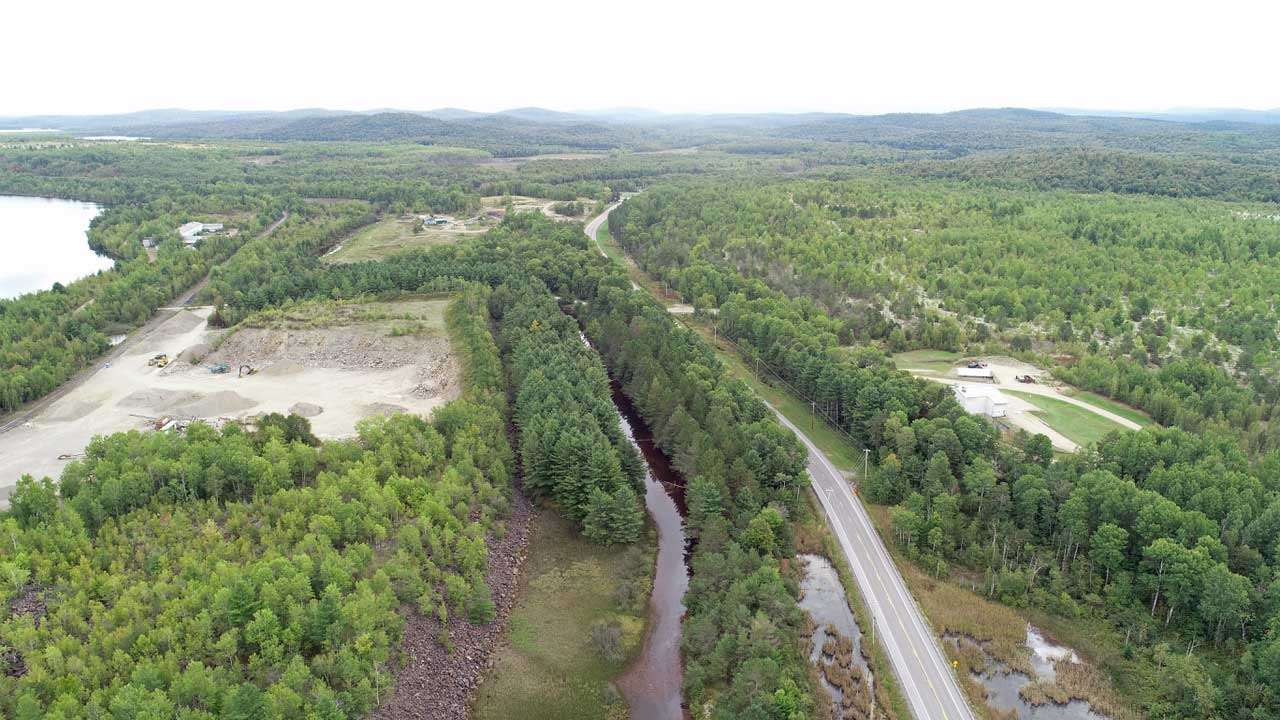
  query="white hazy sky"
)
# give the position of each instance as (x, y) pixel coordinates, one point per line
(683, 55)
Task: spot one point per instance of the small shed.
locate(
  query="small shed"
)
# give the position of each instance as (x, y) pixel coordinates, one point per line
(982, 400)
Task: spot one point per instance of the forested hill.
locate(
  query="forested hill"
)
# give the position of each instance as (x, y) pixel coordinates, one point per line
(995, 129)
(501, 133)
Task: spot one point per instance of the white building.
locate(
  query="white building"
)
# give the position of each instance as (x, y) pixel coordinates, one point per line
(192, 231)
(981, 400)
(978, 373)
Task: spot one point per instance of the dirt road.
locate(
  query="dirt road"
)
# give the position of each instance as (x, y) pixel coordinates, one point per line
(1020, 412)
(23, 415)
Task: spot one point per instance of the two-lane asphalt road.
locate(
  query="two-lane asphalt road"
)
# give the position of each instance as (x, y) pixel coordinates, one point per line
(593, 226)
(927, 680)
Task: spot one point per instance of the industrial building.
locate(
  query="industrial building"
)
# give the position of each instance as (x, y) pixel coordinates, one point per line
(981, 400)
(192, 231)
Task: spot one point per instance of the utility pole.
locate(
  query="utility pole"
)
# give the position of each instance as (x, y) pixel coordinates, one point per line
(813, 414)
(866, 458)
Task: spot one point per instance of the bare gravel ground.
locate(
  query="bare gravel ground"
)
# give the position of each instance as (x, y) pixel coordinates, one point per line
(347, 371)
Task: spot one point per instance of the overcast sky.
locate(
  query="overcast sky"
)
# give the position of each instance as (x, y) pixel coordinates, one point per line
(671, 55)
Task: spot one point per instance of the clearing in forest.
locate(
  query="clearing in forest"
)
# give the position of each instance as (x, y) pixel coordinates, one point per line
(391, 235)
(330, 362)
(1068, 417)
(577, 621)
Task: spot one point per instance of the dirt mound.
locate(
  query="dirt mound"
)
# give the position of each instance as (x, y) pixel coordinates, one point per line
(157, 399)
(305, 409)
(176, 367)
(287, 367)
(70, 410)
(381, 408)
(195, 353)
(216, 404)
(351, 347)
(182, 321)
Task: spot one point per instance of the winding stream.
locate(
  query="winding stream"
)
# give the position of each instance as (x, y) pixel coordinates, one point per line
(653, 683)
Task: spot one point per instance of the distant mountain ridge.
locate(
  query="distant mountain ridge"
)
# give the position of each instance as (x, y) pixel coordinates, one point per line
(626, 115)
(533, 131)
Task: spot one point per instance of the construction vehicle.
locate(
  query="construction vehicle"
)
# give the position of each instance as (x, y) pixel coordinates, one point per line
(1025, 379)
(975, 364)
(247, 370)
(159, 360)
(219, 368)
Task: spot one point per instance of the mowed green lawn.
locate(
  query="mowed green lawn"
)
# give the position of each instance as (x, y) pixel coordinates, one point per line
(1106, 403)
(548, 666)
(936, 361)
(1076, 423)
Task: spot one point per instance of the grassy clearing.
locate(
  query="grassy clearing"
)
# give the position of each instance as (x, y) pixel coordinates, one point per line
(1106, 403)
(604, 239)
(934, 361)
(388, 236)
(1080, 425)
(548, 666)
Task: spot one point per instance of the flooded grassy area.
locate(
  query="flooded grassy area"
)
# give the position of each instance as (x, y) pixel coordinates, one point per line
(999, 635)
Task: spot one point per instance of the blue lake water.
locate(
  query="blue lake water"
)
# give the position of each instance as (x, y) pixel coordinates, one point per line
(43, 241)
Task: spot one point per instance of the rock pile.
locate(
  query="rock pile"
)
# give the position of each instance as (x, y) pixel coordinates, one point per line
(437, 684)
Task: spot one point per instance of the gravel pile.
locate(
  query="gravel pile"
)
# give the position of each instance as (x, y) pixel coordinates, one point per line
(305, 409)
(182, 322)
(345, 348)
(437, 685)
(195, 353)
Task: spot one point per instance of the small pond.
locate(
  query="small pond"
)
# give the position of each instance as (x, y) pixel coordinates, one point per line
(836, 648)
(1004, 685)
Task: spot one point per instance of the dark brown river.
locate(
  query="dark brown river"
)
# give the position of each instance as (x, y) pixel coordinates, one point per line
(652, 684)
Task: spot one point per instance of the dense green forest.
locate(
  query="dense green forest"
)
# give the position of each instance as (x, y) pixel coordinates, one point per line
(946, 266)
(259, 573)
(744, 475)
(241, 574)
(1168, 535)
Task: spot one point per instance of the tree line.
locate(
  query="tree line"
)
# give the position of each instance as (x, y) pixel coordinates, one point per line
(1167, 535)
(253, 573)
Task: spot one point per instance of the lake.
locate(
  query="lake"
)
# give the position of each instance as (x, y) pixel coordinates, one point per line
(43, 241)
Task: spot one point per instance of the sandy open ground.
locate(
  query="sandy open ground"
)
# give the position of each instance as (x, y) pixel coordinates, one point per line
(336, 375)
(1020, 412)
